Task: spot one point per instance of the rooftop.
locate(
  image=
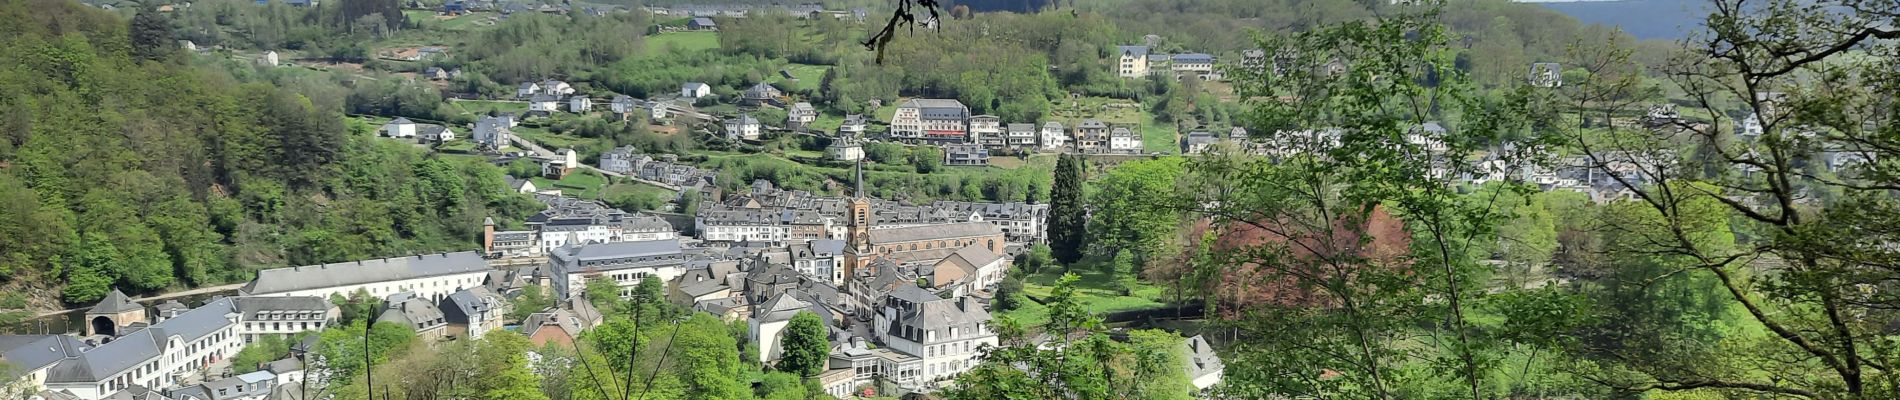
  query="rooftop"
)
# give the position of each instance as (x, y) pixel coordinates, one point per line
(281, 280)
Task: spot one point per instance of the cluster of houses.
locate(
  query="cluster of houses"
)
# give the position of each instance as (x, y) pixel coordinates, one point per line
(800, 10)
(1138, 62)
(971, 139)
(771, 215)
(664, 169)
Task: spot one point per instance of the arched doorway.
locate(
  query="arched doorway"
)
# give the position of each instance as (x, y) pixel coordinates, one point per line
(102, 325)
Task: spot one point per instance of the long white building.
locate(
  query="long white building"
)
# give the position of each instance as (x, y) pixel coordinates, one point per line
(432, 276)
(181, 343)
(627, 263)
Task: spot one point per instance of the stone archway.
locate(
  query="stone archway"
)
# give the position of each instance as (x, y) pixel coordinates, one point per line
(103, 325)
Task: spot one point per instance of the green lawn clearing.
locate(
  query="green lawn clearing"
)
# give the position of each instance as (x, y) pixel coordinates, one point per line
(697, 40)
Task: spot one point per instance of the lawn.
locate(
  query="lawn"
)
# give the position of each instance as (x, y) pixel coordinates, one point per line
(583, 184)
(554, 141)
(482, 107)
(1095, 291)
(1155, 137)
(1039, 161)
(808, 77)
(698, 40)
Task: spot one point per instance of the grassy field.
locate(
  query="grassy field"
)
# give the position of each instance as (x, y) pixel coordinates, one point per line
(584, 184)
(1095, 291)
(1155, 137)
(699, 40)
(482, 107)
(808, 77)
(553, 141)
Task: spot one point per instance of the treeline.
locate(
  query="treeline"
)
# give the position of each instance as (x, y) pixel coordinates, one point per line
(533, 46)
(146, 175)
(341, 29)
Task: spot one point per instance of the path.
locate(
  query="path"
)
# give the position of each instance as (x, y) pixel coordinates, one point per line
(544, 152)
(160, 297)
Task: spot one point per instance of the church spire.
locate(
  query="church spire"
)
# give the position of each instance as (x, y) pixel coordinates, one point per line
(860, 188)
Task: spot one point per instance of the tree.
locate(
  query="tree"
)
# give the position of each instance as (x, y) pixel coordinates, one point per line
(1126, 216)
(151, 34)
(265, 349)
(1066, 215)
(806, 351)
(531, 300)
(506, 374)
(926, 158)
(1084, 362)
(603, 292)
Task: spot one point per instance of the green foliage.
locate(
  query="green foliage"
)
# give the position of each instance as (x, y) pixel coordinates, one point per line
(806, 352)
(342, 348)
(1128, 216)
(532, 299)
(1067, 219)
(265, 349)
(926, 158)
(603, 292)
(533, 46)
(151, 34)
(1083, 363)
(196, 176)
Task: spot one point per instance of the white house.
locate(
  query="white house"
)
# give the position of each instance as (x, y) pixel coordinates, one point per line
(181, 344)
(695, 90)
(1131, 61)
(656, 111)
(492, 132)
(270, 58)
(743, 127)
(853, 125)
(579, 104)
(622, 104)
(400, 128)
(946, 333)
(1122, 140)
(1204, 368)
(544, 103)
(1054, 135)
(800, 115)
(557, 88)
(527, 89)
(987, 130)
(432, 276)
(845, 149)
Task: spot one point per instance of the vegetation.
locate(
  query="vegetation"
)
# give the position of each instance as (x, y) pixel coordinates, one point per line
(806, 350)
(1067, 224)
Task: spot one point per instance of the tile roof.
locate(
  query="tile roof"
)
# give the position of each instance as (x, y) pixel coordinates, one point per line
(142, 345)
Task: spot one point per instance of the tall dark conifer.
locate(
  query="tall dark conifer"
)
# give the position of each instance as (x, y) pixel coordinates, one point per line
(1066, 216)
(151, 34)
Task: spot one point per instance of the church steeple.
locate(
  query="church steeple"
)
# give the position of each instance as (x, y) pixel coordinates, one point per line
(859, 191)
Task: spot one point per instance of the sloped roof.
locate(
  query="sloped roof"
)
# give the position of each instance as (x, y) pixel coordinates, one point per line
(1135, 51)
(114, 303)
(280, 280)
(26, 353)
(933, 232)
(142, 345)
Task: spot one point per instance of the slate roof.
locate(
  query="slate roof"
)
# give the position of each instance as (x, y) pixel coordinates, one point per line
(26, 353)
(827, 246)
(268, 308)
(933, 232)
(615, 250)
(280, 280)
(142, 345)
(473, 302)
(1135, 51)
(1197, 58)
(1093, 124)
(114, 303)
(1201, 360)
(414, 313)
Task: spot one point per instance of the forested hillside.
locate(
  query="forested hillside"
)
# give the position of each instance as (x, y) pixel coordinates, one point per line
(145, 173)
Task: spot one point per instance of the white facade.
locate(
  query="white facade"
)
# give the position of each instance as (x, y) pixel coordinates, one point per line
(1054, 136)
(400, 128)
(1131, 61)
(579, 104)
(548, 240)
(626, 263)
(744, 232)
(694, 90)
(1123, 140)
(986, 129)
(432, 276)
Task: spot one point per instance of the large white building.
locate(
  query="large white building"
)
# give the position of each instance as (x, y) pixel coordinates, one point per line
(945, 333)
(627, 263)
(180, 344)
(432, 276)
(937, 120)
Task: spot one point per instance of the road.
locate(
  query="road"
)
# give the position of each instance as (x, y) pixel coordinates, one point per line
(160, 297)
(544, 152)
